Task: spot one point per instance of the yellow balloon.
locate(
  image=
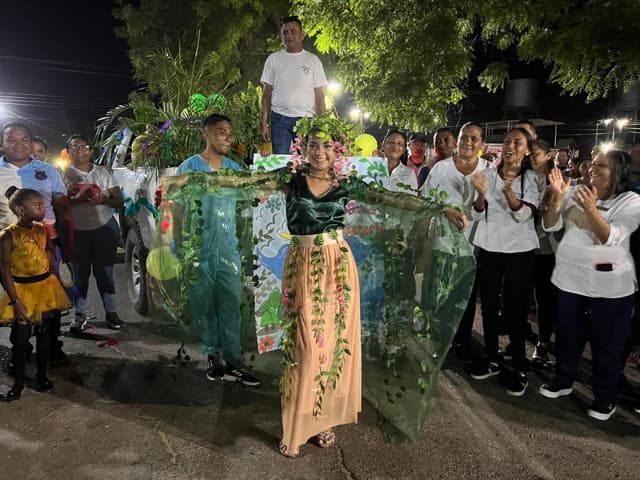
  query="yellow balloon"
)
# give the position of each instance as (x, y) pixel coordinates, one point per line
(161, 264)
(364, 145)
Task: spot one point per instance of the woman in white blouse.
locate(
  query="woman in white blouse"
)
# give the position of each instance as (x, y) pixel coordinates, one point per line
(453, 176)
(595, 276)
(505, 207)
(394, 150)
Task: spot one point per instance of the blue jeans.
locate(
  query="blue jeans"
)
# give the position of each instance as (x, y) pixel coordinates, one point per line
(282, 133)
(606, 324)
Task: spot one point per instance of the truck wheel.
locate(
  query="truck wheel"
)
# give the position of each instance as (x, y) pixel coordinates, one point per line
(135, 259)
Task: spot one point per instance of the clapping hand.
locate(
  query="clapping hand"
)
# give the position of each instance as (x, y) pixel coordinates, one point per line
(480, 183)
(586, 197)
(558, 185)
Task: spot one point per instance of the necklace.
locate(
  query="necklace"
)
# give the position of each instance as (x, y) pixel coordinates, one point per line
(317, 177)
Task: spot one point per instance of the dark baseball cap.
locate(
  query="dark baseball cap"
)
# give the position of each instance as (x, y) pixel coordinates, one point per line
(419, 136)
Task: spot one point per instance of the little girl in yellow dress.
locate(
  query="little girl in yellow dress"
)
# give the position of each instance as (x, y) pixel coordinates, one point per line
(32, 291)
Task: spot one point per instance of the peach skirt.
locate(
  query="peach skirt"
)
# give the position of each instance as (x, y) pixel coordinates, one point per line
(342, 405)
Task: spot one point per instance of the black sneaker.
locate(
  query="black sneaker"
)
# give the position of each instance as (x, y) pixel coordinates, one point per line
(15, 393)
(552, 390)
(43, 384)
(540, 355)
(516, 383)
(600, 412)
(237, 374)
(113, 321)
(215, 369)
(482, 370)
(78, 324)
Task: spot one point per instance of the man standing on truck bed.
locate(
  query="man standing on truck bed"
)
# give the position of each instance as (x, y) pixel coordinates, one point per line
(215, 294)
(293, 83)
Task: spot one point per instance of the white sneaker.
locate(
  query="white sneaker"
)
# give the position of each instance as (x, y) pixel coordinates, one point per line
(602, 413)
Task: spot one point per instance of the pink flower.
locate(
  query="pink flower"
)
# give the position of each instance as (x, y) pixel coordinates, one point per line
(323, 358)
(320, 341)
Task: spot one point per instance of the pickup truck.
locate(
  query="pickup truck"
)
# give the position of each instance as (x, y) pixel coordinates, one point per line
(142, 193)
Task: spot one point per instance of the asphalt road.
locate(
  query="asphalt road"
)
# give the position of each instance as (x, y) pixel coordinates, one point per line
(126, 412)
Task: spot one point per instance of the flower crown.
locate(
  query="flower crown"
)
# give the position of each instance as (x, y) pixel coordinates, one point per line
(327, 128)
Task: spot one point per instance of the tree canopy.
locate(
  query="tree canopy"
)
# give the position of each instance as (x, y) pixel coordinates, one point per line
(408, 61)
(229, 37)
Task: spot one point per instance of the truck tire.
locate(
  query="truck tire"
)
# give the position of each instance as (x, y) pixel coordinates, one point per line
(135, 259)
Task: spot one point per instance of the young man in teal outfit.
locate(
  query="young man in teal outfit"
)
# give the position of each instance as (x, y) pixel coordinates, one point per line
(215, 295)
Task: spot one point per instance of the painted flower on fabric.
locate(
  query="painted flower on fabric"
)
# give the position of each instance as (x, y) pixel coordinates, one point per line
(266, 343)
(323, 358)
(320, 341)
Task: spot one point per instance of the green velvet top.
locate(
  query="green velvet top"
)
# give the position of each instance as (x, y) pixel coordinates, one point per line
(310, 215)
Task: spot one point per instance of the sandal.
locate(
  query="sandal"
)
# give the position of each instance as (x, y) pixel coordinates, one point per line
(325, 439)
(286, 452)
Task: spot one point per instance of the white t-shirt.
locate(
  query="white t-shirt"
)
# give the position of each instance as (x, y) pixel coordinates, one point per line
(580, 251)
(402, 174)
(87, 215)
(293, 76)
(460, 191)
(501, 229)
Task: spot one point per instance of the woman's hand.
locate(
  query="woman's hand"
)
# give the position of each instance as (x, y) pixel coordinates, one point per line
(558, 185)
(480, 183)
(458, 218)
(586, 197)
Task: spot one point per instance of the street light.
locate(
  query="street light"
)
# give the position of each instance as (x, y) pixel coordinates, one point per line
(621, 123)
(334, 87)
(355, 114)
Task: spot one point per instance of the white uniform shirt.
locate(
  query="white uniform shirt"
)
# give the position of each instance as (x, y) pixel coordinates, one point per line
(501, 229)
(87, 215)
(580, 251)
(402, 174)
(460, 191)
(293, 76)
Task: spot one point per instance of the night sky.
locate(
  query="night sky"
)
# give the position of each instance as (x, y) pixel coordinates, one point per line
(61, 67)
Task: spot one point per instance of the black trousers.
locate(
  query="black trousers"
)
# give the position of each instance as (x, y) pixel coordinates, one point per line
(513, 274)
(19, 337)
(545, 295)
(465, 329)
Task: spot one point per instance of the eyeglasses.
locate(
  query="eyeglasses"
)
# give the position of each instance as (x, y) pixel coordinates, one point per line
(79, 147)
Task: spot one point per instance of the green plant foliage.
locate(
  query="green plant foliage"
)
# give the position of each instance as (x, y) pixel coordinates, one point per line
(230, 34)
(407, 61)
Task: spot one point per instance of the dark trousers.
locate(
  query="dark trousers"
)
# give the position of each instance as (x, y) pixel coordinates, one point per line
(545, 295)
(95, 250)
(20, 348)
(513, 273)
(465, 329)
(282, 133)
(606, 324)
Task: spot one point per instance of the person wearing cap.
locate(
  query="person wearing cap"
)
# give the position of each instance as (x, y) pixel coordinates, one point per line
(418, 146)
(293, 82)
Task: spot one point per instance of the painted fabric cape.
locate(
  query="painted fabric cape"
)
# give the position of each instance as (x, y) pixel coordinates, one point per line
(392, 236)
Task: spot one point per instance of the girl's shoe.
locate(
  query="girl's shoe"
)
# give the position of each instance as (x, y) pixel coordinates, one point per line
(15, 392)
(44, 385)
